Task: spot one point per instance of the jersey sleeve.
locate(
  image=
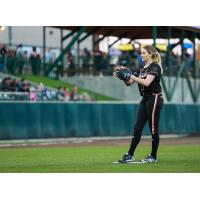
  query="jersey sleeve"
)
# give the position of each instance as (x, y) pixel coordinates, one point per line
(154, 70)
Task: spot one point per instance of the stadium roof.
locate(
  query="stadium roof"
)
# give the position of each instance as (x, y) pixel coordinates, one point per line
(138, 32)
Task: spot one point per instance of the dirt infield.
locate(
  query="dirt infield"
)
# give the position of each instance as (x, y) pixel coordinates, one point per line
(97, 142)
(119, 142)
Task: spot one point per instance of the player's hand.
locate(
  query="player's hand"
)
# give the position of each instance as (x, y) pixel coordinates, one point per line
(123, 73)
(117, 70)
(126, 74)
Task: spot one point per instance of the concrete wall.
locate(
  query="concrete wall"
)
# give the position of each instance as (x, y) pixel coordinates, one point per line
(113, 87)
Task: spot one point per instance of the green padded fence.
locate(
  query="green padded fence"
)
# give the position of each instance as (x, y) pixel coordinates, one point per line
(54, 120)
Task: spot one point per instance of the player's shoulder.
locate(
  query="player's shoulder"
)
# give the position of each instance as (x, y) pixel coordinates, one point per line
(154, 65)
(154, 69)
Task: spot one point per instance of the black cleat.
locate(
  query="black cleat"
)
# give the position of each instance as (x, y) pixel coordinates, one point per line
(126, 158)
(149, 159)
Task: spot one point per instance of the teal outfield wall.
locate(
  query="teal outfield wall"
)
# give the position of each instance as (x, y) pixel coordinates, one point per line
(52, 120)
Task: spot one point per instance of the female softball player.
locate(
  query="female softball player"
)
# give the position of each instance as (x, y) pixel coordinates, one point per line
(148, 79)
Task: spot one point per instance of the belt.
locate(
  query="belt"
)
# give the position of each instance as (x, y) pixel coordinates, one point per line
(146, 95)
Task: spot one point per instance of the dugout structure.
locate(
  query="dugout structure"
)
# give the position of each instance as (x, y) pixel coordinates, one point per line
(140, 32)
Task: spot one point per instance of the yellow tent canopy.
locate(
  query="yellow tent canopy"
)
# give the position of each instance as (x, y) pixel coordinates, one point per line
(129, 47)
(125, 47)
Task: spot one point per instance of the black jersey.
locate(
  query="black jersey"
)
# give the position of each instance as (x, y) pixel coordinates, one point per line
(154, 87)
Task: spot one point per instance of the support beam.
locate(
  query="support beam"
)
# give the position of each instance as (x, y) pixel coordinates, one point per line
(61, 43)
(88, 34)
(10, 35)
(119, 38)
(93, 40)
(182, 45)
(165, 90)
(194, 63)
(110, 45)
(100, 39)
(170, 91)
(70, 34)
(65, 50)
(174, 45)
(44, 49)
(195, 94)
(154, 34)
(133, 38)
(182, 37)
(78, 53)
(176, 80)
(168, 48)
(194, 55)
(169, 57)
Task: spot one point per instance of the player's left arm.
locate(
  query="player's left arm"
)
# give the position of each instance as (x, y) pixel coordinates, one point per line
(146, 82)
(130, 82)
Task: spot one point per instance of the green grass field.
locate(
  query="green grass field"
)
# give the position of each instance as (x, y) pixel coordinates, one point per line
(97, 159)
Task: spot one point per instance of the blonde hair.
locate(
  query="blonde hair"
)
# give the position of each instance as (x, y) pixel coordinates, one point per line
(155, 55)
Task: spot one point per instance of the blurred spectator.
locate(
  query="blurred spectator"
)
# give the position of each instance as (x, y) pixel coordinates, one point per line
(85, 97)
(13, 85)
(27, 69)
(86, 56)
(33, 61)
(97, 59)
(23, 86)
(60, 95)
(66, 94)
(71, 64)
(104, 63)
(138, 59)
(32, 93)
(18, 85)
(38, 64)
(5, 84)
(48, 56)
(3, 53)
(114, 56)
(42, 92)
(74, 94)
(20, 59)
(124, 58)
(11, 61)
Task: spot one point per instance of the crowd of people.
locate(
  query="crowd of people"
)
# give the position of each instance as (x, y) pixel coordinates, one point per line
(102, 63)
(14, 89)
(20, 61)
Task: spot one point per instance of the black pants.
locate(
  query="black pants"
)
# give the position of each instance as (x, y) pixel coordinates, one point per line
(149, 110)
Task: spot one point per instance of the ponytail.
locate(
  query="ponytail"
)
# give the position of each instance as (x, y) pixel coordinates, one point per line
(157, 59)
